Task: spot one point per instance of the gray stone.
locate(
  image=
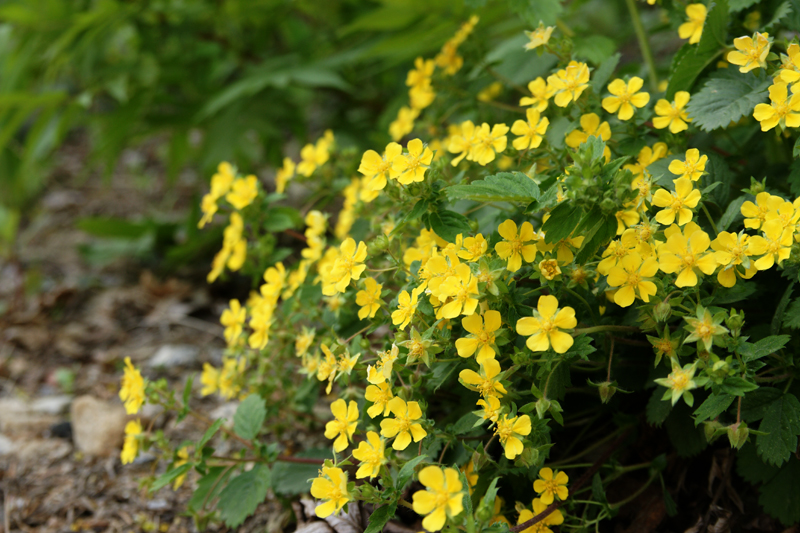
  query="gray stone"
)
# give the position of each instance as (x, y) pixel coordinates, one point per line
(18, 418)
(52, 405)
(98, 427)
(173, 355)
(6, 445)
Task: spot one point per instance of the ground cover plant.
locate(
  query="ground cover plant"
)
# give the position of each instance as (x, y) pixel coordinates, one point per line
(496, 300)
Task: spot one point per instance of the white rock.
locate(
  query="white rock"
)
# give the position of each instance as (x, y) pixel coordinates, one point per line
(6, 445)
(18, 418)
(52, 405)
(172, 355)
(98, 427)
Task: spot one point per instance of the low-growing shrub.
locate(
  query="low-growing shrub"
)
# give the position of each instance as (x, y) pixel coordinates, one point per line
(517, 287)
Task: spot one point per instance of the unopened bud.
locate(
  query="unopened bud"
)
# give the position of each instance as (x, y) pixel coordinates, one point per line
(606, 390)
(662, 311)
(380, 243)
(542, 406)
(711, 430)
(735, 322)
(367, 491)
(737, 434)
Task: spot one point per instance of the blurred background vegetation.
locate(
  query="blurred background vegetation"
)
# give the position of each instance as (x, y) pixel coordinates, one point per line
(237, 80)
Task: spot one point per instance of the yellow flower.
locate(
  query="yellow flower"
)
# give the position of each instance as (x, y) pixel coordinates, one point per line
(544, 327)
(686, 254)
(485, 382)
(751, 52)
(756, 213)
(490, 408)
(369, 299)
(210, 380)
(530, 132)
(233, 319)
(344, 425)
(473, 248)
(411, 167)
(311, 157)
(775, 242)
(471, 475)
(680, 202)
(403, 424)
(183, 458)
(692, 29)
(130, 447)
(284, 174)
(131, 391)
(371, 453)
(733, 252)
(590, 127)
(704, 328)
(692, 168)
(406, 307)
(443, 497)
(538, 37)
(462, 290)
(379, 395)
(462, 142)
(790, 64)
(549, 269)
(509, 430)
(633, 274)
(377, 168)
(243, 192)
(783, 110)
(625, 97)
(568, 84)
(513, 247)
(348, 266)
(482, 335)
(489, 142)
(625, 219)
(404, 123)
(553, 519)
(672, 115)
(540, 95)
(647, 156)
(229, 377)
(679, 383)
(382, 371)
(550, 487)
(331, 485)
(304, 341)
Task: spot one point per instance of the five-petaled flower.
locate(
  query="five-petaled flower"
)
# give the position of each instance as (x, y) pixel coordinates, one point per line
(633, 274)
(344, 425)
(751, 52)
(411, 167)
(692, 168)
(369, 299)
(531, 131)
(678, 203)
(551, 487)
(544, 328)
(568, 84)
(371, 453)
(538, 37)
(510, 431)
(481, 340)
(486, 382)
(626, 97)
(783, 109)
(331, 485)
(516, 246)
(692, 29)
(443, 496)
(132, 390)
(403, 425)
(672, 115)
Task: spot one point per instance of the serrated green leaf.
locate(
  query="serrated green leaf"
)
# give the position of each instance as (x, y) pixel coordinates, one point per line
(686, 67)
(502, 187)
(714, 405)
(380, 517)
(209, 486)
(764, 347)
(737, 386)
(738, 5)
(741, 291)
(726, 97)
(782, 424)
(780, 497)
(715, 28)
(448, 224)
(688, 439)
(407, 472)
(599, 235)
(784, 9)
(249, 417)
(546, 11)
(563, 220)
(792, 317)
(281, 218)
(241, 496)
(657, 410)
(755, 404)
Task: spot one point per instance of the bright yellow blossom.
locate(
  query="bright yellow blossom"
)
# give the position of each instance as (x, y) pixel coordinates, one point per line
(783, 109)
(540, 95)
(406, 307)
(443, 497)
(344, 424)
(514, 248)
(348, 266)
(686, 254)
(775, 242)
(130, 447)
(590, 127)
(482, 335)
(692, 29)
(490, 408)
(633, 274)
(756, 213)
(284, 174)
(463, 142)
(131, 391)
(678, 203)
(679, 382)
(209, 379)
(403, 424)
(733, 252)
(313, 156)
(233, 319)
(551, 487)
(530, 132)
(377, 168)
(371, 453)
(692, 168)
(751, 52)
(382, 371)
(462, 291)
(544, 327)
(404, 123)
(538, 37)
(568, 84)
(488, 143)
(331, 485)
(379, 395)
(243, 192)
(626, 97)
(369, 299)
(509, 430)
(411, 167)
(672, 115)
(553, 519)
(473, 248)
(485, 383)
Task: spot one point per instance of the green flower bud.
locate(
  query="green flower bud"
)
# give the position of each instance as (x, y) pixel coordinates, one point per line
(542, 406)
(735, 322)
(606, 390)
(711, 429)
(737, 434)
(662, 311)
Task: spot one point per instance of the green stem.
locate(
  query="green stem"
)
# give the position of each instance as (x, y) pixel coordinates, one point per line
(644, 45)
(596, 329)
(708, 216)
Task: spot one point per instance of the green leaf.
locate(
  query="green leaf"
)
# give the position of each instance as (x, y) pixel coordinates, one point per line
(755, 404)
(782, 11)
(562, 222)
(657, 410)
(741, 291)
(727, 96)
(469, 517)
(487, 502)
(780, 310)
(534, 11)
(687, 65)
(465, 424)
(279, 219)
(780, 497)
(407, 472)
(167, 477)
(115, 228)
(751, 467)
(715, 29)
(732, 212)
(738, 5)
(688, 439)
(416, 212)
(380, 517)
(502, 187)
(764, 347)
(793, 179)
(210, 432)
(738, 386)
(209, 486)
(290, 479)
(249, 417)
(241, 496)
(603, 73)
(792, 317)
(782, 424)
(448, 224)
(598, 235)
(714, 405)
